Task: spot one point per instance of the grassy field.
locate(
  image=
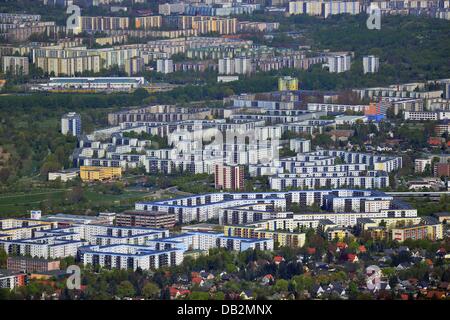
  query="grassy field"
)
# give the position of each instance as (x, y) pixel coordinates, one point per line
(52, 201)
(19, 203)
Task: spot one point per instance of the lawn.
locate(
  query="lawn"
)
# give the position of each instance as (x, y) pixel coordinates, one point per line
(19, 203)
(52, 201)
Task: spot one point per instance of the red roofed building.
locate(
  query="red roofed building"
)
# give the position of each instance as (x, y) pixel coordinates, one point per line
(278, 259)
(435, 141)
(267, 279)
(311, 250)
(351, 257)
(341, 245)
(197, 280)
(83, 287)
(175, 293)
(434, 294)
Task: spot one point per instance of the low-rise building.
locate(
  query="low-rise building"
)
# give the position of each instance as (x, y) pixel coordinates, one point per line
(15, 65)
(429, 228)
(95, 84)
(28, 265)
(287, 83)
(64, 175)
(11, 280)
(243, 244)
(339, 233)
(279, 237)
(96, 173)
(443, 217)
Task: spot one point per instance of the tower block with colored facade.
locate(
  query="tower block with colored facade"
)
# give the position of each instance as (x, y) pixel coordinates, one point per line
(229, 177)
(376, 111)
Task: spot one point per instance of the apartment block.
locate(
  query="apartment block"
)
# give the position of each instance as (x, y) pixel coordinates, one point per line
(339, 63)
(167, 9)
(96, 173)
(427, 230)
(72, 66)
(421, 164)
(11, 280)
(441, 170)
(148, 22)
(149, 219)
(92, 24)
(280, 238)
(324, 8)
(71, 124)
(300, 145)
(371, 64)
(243, 244)
(164, 66)
(239, 65)
(229, 177)
(23, 32)
(134, 66)
(14, 228)
(287, 84)
(127, 256)
(29, 265)
(15, 65)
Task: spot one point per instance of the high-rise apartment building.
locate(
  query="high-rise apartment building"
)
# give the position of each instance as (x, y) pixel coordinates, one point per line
(69, 66)
(148, 22)
(134, 65)
(229, 177)
(71, 124)
(324, 8)
(371, 64)
(15, 65)
(240, 65)
(164, 66)
(339, 63)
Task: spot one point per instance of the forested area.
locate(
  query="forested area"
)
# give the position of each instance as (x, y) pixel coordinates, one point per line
(30, 138)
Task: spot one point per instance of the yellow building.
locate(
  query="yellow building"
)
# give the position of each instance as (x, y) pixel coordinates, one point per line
(148, 22)
(92, 173)
(377, 233)
(287, 84)
(338, 233)
(418, 232)
(69, 66)
(283, 238)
